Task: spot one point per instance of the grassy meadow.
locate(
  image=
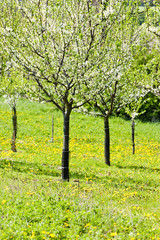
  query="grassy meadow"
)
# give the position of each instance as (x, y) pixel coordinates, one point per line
(100, 202)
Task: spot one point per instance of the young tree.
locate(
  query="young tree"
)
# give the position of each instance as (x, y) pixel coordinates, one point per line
(59, 45)
(11, 87)
(119, 44)
(11, 84)
(132, 100)
(105, 103)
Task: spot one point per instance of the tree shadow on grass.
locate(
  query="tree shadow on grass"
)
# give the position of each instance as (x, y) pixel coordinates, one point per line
(36, 169)
(135, 167)
(25, 167)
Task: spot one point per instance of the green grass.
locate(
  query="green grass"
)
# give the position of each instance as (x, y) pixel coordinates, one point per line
(99, 202)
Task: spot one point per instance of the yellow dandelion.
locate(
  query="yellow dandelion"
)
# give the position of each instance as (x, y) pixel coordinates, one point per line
(113, 234)
(52, 235)
(3, 202)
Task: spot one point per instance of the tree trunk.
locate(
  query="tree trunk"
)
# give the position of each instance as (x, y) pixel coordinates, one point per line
(107, 141)
(14, 136)
(65, 152)
(133, 134)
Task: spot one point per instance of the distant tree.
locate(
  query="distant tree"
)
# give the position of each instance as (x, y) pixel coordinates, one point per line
(149, 54)
(132, 101)
(11, 87)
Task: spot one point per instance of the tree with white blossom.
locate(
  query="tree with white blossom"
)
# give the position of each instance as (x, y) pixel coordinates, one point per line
(60, 45)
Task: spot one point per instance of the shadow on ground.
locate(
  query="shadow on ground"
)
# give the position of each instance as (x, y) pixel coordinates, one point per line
(143, 168)
(36, 169)
(25, 167)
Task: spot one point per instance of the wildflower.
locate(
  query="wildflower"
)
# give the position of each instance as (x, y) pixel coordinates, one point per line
(52, 235)
(3, 202)
(113, 234)
(87, 225)
(33, 234)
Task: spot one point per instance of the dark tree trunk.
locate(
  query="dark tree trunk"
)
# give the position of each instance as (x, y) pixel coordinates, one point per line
(107, 141)
(14, 136)
(133, 134)
(65, 152)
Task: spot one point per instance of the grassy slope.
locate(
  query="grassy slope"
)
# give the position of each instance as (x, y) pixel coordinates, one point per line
(99, 202)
